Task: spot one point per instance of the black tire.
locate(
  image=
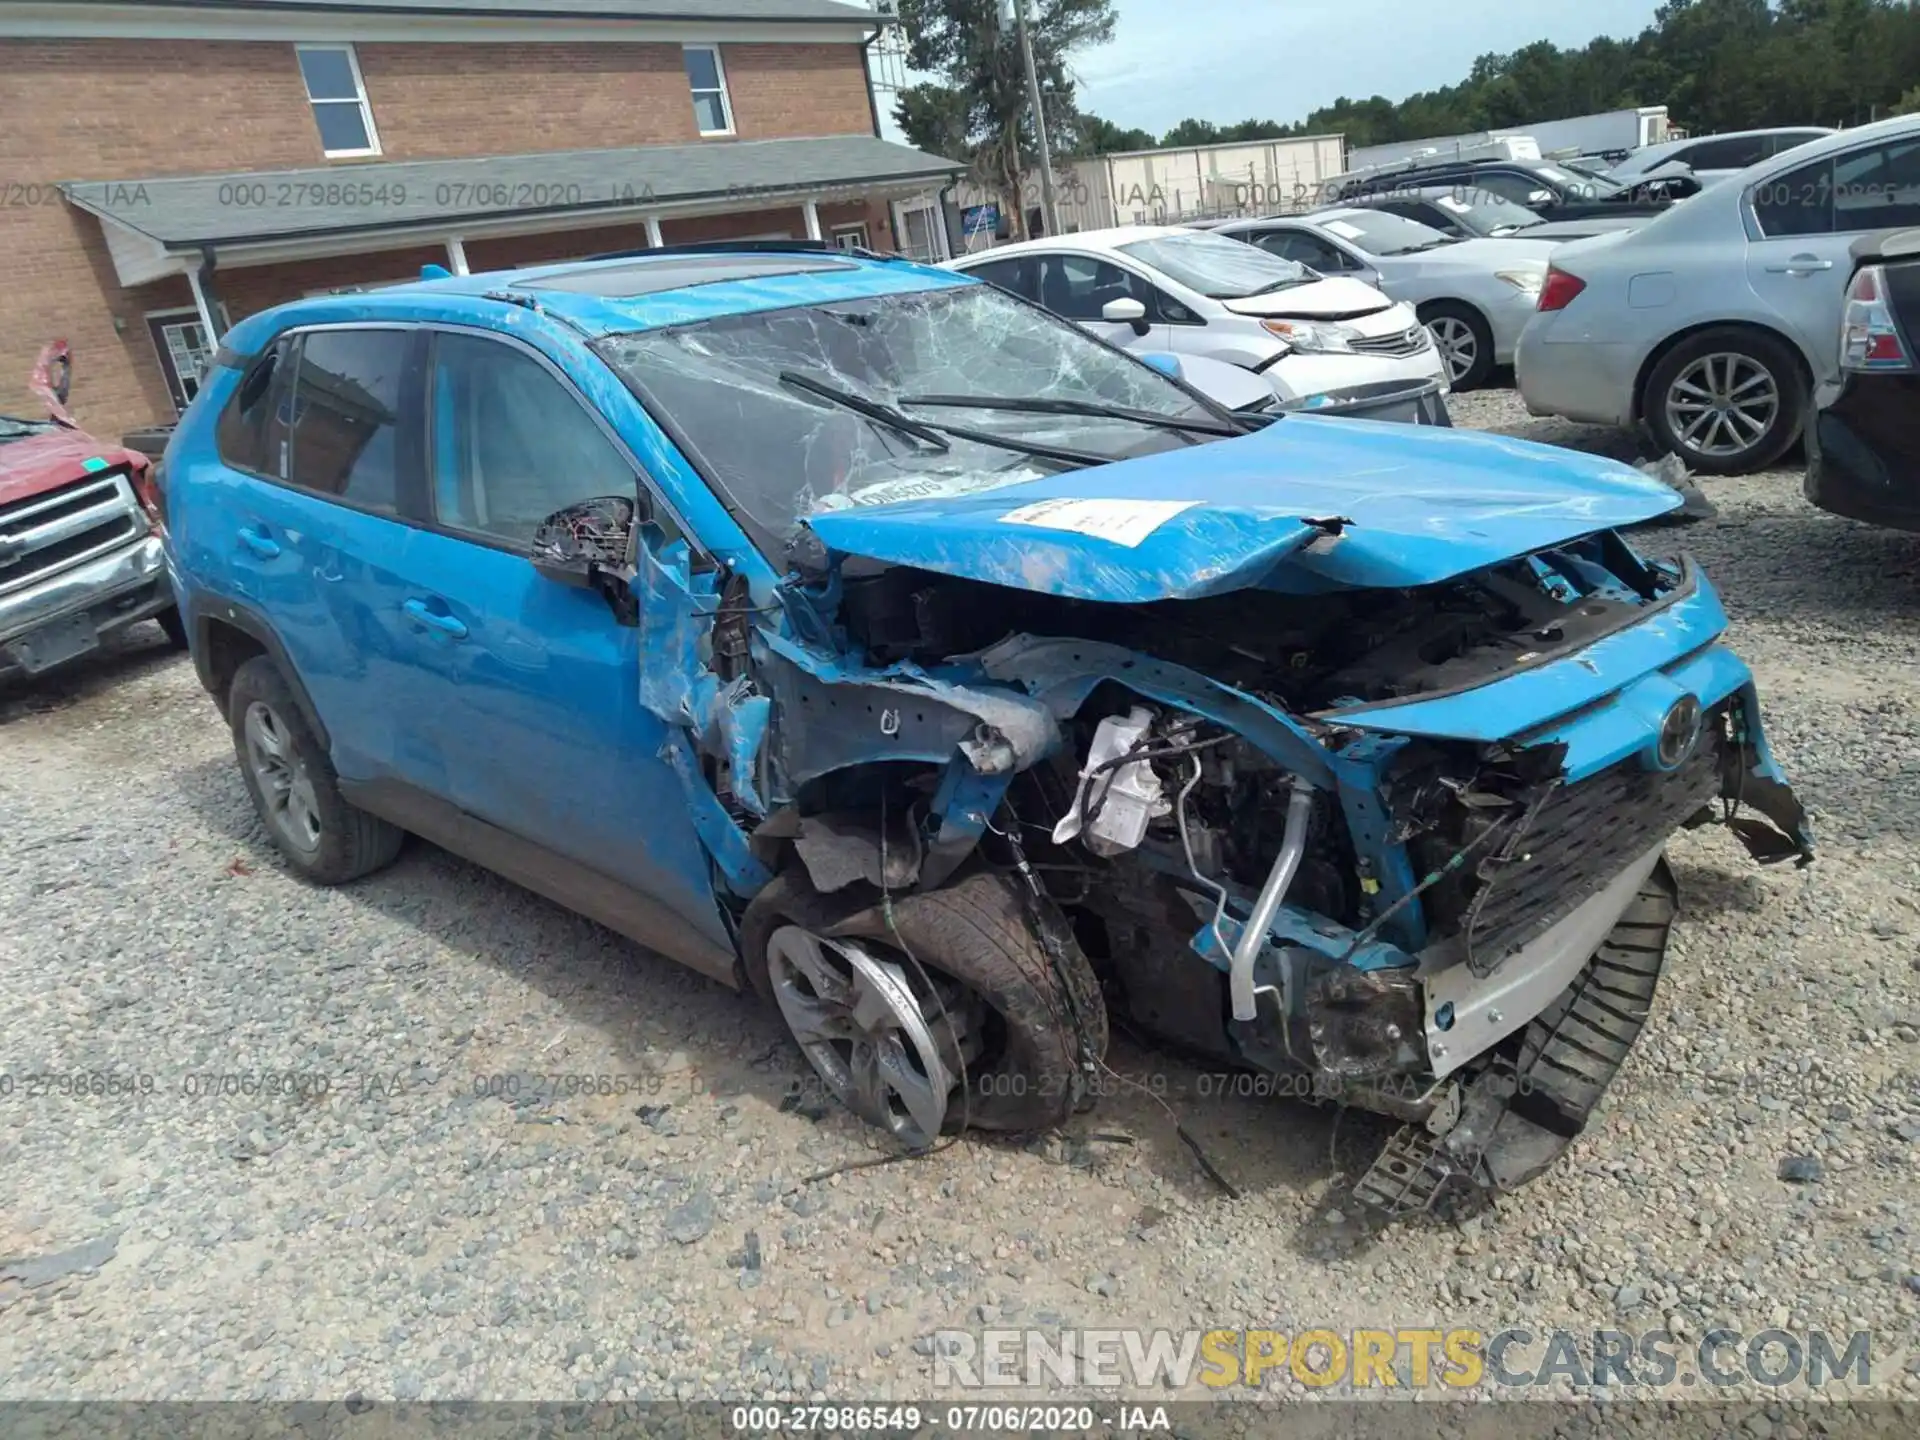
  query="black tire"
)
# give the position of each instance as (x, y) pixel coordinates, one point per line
(351, 842)
(975, 929)
(1782, 364)
(176, 627)
(1481, 338)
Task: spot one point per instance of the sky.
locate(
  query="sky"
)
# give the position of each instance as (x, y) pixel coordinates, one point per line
(1230, 60)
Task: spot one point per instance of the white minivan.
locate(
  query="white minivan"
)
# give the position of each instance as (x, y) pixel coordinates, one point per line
(1167, 288)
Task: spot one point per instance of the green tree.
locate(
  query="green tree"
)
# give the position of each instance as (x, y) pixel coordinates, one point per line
(977, 107)
(1090, 135)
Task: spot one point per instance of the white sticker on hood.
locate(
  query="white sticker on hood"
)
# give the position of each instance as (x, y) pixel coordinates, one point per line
(1124, 522)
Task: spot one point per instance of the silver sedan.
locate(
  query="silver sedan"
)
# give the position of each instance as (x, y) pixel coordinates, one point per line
(1713, 322)
(1474, 296)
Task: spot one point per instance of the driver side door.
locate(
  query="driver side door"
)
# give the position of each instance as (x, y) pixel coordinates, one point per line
(540, 721)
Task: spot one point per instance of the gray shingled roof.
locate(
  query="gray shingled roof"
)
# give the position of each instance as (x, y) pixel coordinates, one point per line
(691, 10)
(187, 212)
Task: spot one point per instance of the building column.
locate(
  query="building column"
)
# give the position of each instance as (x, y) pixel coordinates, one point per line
(812, 211)
(457, 255)
(653, 234)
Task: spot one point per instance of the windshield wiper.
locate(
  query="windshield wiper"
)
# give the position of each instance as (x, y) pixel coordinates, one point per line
(936, 434)
(1092, 409)
(1277, 285)
(872, 409)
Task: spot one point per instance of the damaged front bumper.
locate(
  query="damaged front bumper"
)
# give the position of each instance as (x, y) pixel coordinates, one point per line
(1495, 1041)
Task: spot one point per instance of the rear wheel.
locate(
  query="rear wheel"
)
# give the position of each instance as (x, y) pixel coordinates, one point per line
(1463, 338)
(892, 1038)
(293, 786)
(1726, 401)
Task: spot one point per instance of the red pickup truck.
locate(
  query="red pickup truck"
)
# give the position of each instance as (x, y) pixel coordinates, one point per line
(80, 553)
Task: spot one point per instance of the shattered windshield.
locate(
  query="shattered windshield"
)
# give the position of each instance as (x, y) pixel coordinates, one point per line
(822, 407)
(1218, 267)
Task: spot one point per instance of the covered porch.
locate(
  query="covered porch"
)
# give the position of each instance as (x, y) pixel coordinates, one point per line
(200, 252)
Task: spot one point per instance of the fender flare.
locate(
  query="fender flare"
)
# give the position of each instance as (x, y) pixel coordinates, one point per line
(203, 612)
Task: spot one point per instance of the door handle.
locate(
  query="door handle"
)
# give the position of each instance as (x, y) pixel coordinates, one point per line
(1800, 265)
(420, 611)
(259, 542)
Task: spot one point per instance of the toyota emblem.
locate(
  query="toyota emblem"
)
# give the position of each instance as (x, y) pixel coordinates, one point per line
(1679, 733)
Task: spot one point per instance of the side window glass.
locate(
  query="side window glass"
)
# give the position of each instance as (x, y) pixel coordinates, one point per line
(1075, 287)
(1165, 307)
(1799, 202)
(509, 444)
(344, 411)
(1877, 188)
(1009, 275)
(248, 434)
(1509, 186)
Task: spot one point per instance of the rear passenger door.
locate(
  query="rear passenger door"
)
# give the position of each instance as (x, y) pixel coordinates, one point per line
(538, 711)
(322, 441)
(1804, 223)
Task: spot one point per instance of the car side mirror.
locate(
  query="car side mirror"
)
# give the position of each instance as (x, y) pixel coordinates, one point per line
(587, 545)
(1126, 311)
(1159, 360)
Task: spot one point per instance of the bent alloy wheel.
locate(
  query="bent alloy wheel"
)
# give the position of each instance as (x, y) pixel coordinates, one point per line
(890, 1053)
(939, 1010)
(1726, 401)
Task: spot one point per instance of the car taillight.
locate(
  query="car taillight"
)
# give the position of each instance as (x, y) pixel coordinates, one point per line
(1869, 340)
(1560, 288)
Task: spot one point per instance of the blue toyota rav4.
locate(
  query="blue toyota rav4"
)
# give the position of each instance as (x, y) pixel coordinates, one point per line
(864, 636)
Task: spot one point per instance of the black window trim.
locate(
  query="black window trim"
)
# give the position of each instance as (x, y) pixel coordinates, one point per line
(415, 487)
(1832, 160)
(409, 481)
(642, 479)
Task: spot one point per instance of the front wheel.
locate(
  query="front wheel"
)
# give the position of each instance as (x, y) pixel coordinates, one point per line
(891, 1038)
(1464, 339)
(1726, 401)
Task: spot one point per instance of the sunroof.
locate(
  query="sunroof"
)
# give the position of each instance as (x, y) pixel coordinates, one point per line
(654, 277)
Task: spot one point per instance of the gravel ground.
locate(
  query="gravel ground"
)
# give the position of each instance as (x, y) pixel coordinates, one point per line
(404, 1235)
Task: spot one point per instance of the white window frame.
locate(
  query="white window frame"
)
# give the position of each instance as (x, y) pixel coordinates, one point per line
(360, 93)
(720, 73)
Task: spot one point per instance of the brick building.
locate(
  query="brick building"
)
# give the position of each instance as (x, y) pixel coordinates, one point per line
(170, 166)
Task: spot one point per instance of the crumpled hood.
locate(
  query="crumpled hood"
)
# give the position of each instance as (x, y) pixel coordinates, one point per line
(36, 464)
(1336, 296)
(1421, 505)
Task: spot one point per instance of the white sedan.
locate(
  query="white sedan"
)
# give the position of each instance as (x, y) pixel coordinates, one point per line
(1713, 323)
(1168, 288)
(1475, 296)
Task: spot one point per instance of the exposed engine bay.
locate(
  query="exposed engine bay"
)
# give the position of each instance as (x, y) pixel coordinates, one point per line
(1455, 918)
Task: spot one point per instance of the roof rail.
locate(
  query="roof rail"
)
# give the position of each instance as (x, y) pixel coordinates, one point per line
(749, 247)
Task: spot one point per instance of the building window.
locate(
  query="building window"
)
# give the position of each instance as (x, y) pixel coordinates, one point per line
(339, 100)
(708, 78)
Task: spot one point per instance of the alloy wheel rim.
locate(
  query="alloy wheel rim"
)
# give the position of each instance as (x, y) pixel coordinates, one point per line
(1722, 404)
(1459, 347)
(866, 1031)
(286, 788)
